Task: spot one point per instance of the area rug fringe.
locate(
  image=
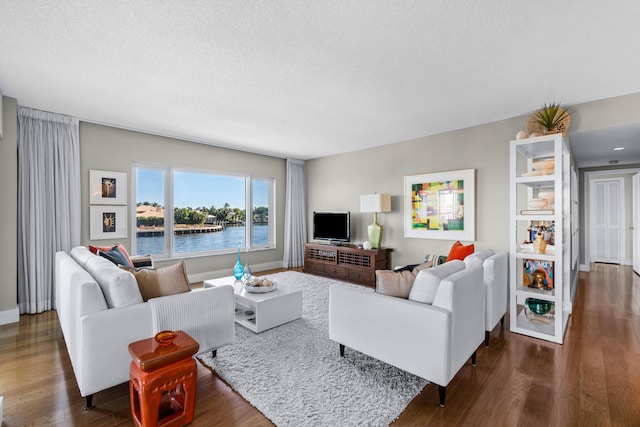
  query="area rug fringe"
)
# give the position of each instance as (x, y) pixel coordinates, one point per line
(295, 376)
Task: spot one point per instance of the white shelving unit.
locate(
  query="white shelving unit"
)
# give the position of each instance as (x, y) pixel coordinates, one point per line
(524, 154)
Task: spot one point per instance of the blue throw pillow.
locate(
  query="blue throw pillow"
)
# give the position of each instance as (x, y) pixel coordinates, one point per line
(116, 256)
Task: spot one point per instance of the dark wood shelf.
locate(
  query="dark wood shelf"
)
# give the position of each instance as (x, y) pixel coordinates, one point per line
(347, 262)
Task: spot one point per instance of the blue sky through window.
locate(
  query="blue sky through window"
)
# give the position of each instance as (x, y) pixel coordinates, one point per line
(198, 189)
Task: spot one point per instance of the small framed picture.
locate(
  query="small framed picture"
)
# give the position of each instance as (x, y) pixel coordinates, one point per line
(107, 188)
(108, 222)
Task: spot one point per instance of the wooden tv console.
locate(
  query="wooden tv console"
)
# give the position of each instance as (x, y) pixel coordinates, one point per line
(346, 262)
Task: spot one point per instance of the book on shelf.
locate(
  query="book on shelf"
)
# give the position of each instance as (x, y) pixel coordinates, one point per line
(537, 273)
(537, 212)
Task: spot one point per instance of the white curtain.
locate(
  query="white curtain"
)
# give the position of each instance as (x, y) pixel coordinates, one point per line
(48, 202)
(295, 216)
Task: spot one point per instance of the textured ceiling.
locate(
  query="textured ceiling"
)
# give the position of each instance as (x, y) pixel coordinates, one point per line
(308, 79)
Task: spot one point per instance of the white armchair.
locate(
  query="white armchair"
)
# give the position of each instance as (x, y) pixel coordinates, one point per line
(496, 274)
(432, 341)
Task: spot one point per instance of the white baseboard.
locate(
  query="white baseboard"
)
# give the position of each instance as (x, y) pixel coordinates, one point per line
(585, 267)
(10, 316)
(215, 274)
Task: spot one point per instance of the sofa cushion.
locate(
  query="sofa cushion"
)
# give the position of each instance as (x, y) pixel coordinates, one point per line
(81, 254)
(116, 256)
(121, 247)
(163, 281)
(478, 258)
(427, 281)
(118, 286)
(460, 251)
(394, 283)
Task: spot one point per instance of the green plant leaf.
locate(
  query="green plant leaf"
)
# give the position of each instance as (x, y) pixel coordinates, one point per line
(550, 116)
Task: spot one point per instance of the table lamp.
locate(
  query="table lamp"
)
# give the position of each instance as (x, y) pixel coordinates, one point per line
(375, 203)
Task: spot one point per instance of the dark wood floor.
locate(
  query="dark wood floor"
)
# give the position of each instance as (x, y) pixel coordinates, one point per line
(591, 380)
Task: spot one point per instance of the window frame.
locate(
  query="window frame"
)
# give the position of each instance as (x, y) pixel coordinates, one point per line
(169, 176)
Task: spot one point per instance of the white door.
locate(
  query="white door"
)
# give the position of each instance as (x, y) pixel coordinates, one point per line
(636, 223)
(606, 223)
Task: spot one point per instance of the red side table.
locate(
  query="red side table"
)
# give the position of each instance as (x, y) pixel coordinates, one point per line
(163, 377)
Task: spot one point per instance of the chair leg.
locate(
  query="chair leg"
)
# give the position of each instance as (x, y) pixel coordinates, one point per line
(473, 358)
(342, 350)
(441, 393)
(486, 338)
(502, 321)
(88, 402)
(214, 353)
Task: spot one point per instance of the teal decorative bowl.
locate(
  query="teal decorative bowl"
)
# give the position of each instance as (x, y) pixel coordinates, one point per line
(539, 306)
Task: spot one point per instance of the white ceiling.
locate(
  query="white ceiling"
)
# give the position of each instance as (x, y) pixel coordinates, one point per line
(308, 79)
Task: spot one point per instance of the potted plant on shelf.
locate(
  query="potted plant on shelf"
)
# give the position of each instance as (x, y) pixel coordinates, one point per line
(552, 118)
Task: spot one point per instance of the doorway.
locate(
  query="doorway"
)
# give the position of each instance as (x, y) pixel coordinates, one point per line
(607, 220)
(635, 223)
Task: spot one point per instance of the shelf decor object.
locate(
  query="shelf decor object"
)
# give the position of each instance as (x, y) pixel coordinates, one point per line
(440, 205)
(548, 120)
(375, 203)
(238, 269)
(540, 238)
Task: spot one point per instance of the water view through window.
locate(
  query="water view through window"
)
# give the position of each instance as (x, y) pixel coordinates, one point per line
(209, 211)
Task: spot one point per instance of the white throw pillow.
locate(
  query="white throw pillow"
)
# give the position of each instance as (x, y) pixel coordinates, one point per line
(427, 281)
(119, 287)
(478, 258)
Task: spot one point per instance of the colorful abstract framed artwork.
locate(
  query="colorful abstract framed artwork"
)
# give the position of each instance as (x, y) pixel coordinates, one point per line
(108, 222)
(107, 188)
(440, 205)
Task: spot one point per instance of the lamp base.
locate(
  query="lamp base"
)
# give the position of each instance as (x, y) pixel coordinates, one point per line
(375, 232)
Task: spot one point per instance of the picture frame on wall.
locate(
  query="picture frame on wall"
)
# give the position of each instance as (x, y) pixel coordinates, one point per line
(440, 205)
(108, 222)
(107, 187)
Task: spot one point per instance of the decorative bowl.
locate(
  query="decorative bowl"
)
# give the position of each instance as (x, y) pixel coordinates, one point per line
(259, 285)
(549, 196)
(537, 203)
(538, 306)
(165, 338)
(543, 165)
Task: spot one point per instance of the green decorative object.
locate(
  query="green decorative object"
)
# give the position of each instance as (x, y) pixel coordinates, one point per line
(375, 203)
(539, 306)
(375, 232)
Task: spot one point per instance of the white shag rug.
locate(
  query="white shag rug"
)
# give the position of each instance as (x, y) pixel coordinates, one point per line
(295, 376)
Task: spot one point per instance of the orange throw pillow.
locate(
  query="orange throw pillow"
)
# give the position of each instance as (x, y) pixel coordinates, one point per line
(459, 251)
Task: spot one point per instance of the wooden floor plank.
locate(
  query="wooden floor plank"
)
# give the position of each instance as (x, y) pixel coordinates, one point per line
(592, 379)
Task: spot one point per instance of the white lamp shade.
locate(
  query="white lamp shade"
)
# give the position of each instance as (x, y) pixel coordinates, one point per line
(375, 203)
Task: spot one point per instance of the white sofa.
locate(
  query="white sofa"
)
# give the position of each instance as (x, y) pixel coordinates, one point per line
(97, 333)
(496, 276)
(432, 341)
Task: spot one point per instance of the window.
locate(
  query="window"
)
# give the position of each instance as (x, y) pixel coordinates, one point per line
(209, 211)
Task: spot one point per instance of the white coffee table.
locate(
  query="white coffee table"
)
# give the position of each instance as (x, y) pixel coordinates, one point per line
(261, 311)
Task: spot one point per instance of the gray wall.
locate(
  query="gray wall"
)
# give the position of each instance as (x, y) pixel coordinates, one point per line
(114, 149)
(335, 183)
(9, 213)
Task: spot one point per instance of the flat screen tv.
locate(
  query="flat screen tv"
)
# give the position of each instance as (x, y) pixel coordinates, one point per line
(331, 226)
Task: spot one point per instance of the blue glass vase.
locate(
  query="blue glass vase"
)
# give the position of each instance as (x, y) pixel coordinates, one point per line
(238, 270)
